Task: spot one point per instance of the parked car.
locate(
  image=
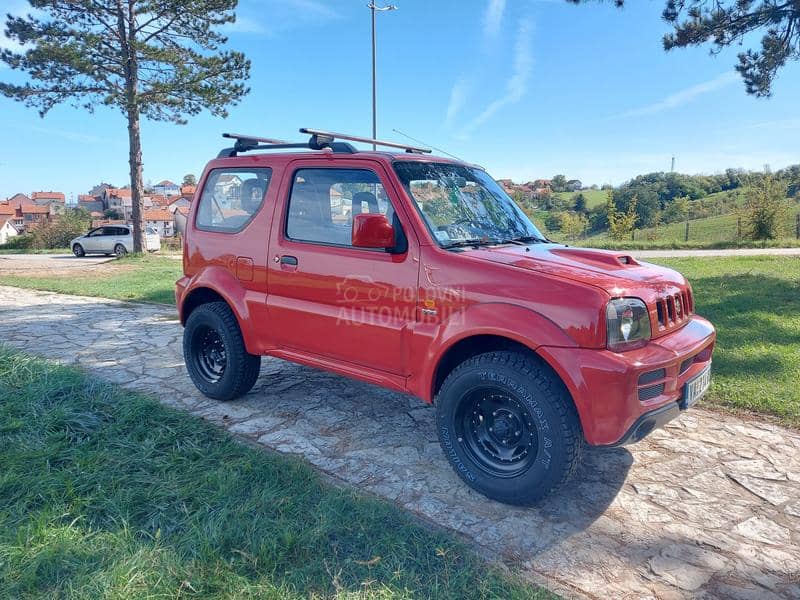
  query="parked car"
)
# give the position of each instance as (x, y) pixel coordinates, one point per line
(112, 239)
(434, 283)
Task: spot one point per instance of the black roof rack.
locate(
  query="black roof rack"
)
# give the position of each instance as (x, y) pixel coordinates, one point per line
(319, 140)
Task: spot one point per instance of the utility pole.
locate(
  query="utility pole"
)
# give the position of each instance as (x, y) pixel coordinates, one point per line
(672, 167)
(373, 7)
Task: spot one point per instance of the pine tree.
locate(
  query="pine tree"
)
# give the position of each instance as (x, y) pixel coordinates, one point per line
(158, 59)
(724, 23)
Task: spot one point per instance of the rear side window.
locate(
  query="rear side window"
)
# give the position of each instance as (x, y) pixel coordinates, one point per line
(323, 203)
(231, 198)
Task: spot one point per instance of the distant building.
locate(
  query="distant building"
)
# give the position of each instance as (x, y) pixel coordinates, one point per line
(167, 188)
(7, 228)
(160, 220)
(42, 198)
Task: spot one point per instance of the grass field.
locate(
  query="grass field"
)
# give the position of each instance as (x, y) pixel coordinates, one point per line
(753, 301)
(143, 278)
(107, 494)
(711, 231)
(593, 197)
(34, 251)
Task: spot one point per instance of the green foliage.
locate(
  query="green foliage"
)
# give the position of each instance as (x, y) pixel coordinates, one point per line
(677, 210)
(558, 183)
(724, 23)
(160, 57)
(765, 210)
(189, 179)
(113, 214)
(61, 230)
(574, 225)
(579, 203)
(18, 242)
(621, 225)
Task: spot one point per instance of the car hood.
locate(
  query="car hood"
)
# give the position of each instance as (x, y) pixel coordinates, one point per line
(617, 272)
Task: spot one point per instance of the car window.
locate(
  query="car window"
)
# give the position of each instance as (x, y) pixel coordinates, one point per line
(109, 231)
(323, 201)
(231, 198)
(95, 232)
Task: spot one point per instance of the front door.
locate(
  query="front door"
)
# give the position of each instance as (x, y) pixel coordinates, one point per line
(327, 297)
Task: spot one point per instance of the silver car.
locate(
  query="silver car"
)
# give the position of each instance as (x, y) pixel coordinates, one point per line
(113, 239)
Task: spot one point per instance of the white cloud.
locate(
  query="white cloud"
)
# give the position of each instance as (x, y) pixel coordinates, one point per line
(517, 84)
(458, 96)
(684, 96)
(493, 18)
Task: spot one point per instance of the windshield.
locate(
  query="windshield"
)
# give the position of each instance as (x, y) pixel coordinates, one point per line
(464, 206)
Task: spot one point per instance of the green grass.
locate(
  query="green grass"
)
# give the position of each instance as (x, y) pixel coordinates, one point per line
(754, 302)
(34, 250)
(143, 278)
(593, 197)
(104, 493)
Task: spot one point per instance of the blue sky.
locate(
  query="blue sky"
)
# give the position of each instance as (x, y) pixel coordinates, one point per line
(525, 88)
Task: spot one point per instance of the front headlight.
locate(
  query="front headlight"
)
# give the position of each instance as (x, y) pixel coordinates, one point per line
(627, 324)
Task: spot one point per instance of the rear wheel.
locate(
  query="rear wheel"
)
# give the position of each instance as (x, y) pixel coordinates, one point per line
(78, 250)
(215, 354)
(508, 427)
(120, 250)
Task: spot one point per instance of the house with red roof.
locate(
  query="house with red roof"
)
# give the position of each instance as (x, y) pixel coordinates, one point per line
(7, 228)
(161, 220)
(166, 188)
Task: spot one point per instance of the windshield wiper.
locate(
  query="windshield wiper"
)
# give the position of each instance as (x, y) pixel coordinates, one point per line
(525, 239)
(474, 242)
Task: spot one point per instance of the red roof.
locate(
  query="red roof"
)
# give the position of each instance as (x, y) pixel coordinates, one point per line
(157, 215)
(119, 192)
(86, 198)
(184, 210)
(7, 209)
(188, 190)
(30, 209)
(165, 183)
(48, 196)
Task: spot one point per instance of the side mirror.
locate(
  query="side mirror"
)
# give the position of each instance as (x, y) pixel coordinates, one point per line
(372, 231)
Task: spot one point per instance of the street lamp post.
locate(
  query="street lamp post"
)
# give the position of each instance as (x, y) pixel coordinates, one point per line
(373, 7)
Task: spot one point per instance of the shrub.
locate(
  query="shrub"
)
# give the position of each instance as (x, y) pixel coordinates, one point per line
(765, 209)
(59, 232)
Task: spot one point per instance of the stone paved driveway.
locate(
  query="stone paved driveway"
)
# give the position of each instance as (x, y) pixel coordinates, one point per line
(709, 507)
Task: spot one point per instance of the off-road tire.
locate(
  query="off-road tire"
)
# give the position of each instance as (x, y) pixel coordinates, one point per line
(241, 368)
(78, 250)
(533, 389)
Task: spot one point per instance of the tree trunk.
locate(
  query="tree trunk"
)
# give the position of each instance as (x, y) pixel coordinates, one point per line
(131, 68)
(135, 162)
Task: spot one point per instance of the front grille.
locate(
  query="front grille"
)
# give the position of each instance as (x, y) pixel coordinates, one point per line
(673, 309)
(651, 376)
(647, 393)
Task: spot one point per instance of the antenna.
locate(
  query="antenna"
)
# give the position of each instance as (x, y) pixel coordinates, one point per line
(431, 145)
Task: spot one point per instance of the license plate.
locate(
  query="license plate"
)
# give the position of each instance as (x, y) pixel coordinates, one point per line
(696, 387)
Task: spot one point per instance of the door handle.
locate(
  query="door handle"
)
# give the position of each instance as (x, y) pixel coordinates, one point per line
(289, 260)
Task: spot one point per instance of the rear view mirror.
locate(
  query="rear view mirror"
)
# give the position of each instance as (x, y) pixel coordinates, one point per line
(372, 231)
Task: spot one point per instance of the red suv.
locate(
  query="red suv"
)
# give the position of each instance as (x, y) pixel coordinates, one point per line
(421, 275)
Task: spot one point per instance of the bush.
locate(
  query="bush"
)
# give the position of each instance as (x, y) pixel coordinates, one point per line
(59, 232)
(765, 209)
(19, 242)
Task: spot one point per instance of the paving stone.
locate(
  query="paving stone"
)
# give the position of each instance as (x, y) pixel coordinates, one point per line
(705, 508)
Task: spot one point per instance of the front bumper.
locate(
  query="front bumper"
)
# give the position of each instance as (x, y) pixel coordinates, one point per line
(606, 385)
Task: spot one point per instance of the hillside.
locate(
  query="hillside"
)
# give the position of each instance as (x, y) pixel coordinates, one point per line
(593, 197)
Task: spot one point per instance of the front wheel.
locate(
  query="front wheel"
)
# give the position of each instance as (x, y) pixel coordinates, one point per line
(215, 354)
(120, 250)
(508, 427)
(78, 251)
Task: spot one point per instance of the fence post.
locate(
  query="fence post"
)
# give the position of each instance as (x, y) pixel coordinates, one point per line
(739, 228)
(633, 235)
(797, 226)
(686, 234)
